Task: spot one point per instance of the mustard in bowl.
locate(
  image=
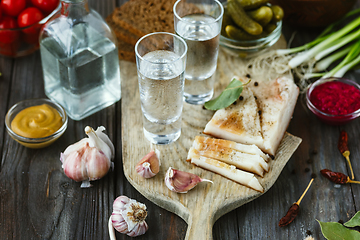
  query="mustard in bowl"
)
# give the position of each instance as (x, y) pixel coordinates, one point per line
(36, 123)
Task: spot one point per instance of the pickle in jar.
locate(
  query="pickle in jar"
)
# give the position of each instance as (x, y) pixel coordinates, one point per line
(239, 34)
(252, 4)
(227, 20)
(263, 15)
(241, 19)
(278, 13)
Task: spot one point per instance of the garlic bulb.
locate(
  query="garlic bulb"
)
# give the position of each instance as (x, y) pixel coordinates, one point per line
(180, 181)
(128, 217)
(90, 158)
(149, 165)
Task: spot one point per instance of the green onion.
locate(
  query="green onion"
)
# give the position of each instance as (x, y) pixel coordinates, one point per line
(326, 43)
(354, 52)
(330, 46)
(348, 66)
(326, 62)
(338, 44)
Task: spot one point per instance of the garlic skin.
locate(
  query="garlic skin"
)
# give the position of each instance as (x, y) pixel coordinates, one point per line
(90, 158)
(128, 216)
(180, 181)
(149, 165)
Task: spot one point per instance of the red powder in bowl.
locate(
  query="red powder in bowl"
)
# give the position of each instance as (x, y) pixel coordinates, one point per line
(335, 98)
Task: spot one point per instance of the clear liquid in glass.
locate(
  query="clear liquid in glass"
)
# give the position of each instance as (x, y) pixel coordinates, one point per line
(161, 95)
(81, 72)
(201, 33)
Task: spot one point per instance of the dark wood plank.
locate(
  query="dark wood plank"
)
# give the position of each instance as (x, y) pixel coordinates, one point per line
(37, 201)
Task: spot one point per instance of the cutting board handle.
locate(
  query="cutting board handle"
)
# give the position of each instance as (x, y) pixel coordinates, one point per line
(200, 225)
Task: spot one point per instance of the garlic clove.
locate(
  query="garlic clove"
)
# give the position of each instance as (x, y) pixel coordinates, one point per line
(128, 216)
(139, 229)
(180, 181)
(88, 159)
(97, 142)
(149, 165)
(106, 139)
(87, 163)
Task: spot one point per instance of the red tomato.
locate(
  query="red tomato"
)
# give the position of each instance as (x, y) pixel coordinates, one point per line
(8, 36)
(28, 17)
(46, 6)
(12, 7)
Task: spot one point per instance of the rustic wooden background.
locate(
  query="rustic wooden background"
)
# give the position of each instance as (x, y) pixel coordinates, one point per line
(37, 201)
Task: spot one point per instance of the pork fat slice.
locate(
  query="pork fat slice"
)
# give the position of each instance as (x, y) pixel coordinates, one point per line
(229, 171)
(240, 122)
(222, 143)
(244, 161)
(260, 116)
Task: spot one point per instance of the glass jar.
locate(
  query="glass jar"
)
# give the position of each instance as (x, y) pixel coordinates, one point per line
(80, 60)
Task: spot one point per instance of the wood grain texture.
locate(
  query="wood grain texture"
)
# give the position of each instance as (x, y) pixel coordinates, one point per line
(200, 207)
(71, 213)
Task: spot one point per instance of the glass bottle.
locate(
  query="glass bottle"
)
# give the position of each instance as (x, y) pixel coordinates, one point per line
(80, 60)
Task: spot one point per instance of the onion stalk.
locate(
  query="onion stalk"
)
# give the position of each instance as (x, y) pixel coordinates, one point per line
(330, 46)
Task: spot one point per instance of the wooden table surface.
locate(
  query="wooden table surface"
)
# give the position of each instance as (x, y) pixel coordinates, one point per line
(37, 201)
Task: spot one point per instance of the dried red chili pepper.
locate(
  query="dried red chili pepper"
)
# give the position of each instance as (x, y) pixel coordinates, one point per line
(337, 177)
(344, 149)
(343, 142)
(293, 210)
(290, 215)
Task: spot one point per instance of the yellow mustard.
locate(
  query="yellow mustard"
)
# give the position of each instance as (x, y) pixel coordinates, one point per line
(37, 121)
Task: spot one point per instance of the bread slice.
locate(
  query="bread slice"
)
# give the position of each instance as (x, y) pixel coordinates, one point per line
(126, 51)
(121, 33)
(141, 17)
(125, 41)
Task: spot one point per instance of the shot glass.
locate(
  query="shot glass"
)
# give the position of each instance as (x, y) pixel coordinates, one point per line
(198, 22)
(161, 62)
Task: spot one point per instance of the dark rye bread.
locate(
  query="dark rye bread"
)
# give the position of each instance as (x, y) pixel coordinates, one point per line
(126, 49)
(141, 17)
(121, 33)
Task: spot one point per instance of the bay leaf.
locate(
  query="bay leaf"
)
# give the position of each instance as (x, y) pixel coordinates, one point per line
(336, 231)
(354, 221)
(230, 94)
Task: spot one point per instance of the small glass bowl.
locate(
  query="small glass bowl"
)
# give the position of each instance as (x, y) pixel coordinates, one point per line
(250, 48)
(35, 142)
(330, 118)
(19, 42)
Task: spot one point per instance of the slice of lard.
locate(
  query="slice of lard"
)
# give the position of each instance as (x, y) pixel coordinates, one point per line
(222, 143)
(254, 163)
(260, 118)
(231, 158)
(240, 122)
(229, 171)
(276, 100)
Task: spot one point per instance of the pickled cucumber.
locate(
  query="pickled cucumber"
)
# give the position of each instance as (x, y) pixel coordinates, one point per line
(241, 19)
(278, 13)
(252, 4)
(262, 15)
(239, 34)
(227, 20)
(269, 28)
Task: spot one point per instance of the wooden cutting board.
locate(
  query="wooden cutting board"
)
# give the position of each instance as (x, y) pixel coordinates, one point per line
(207, 202)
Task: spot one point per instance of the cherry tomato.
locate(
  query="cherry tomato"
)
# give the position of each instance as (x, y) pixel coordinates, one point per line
(12, 7)
(28, 17)
(46, 6)
(6, 35)
(0, 13)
